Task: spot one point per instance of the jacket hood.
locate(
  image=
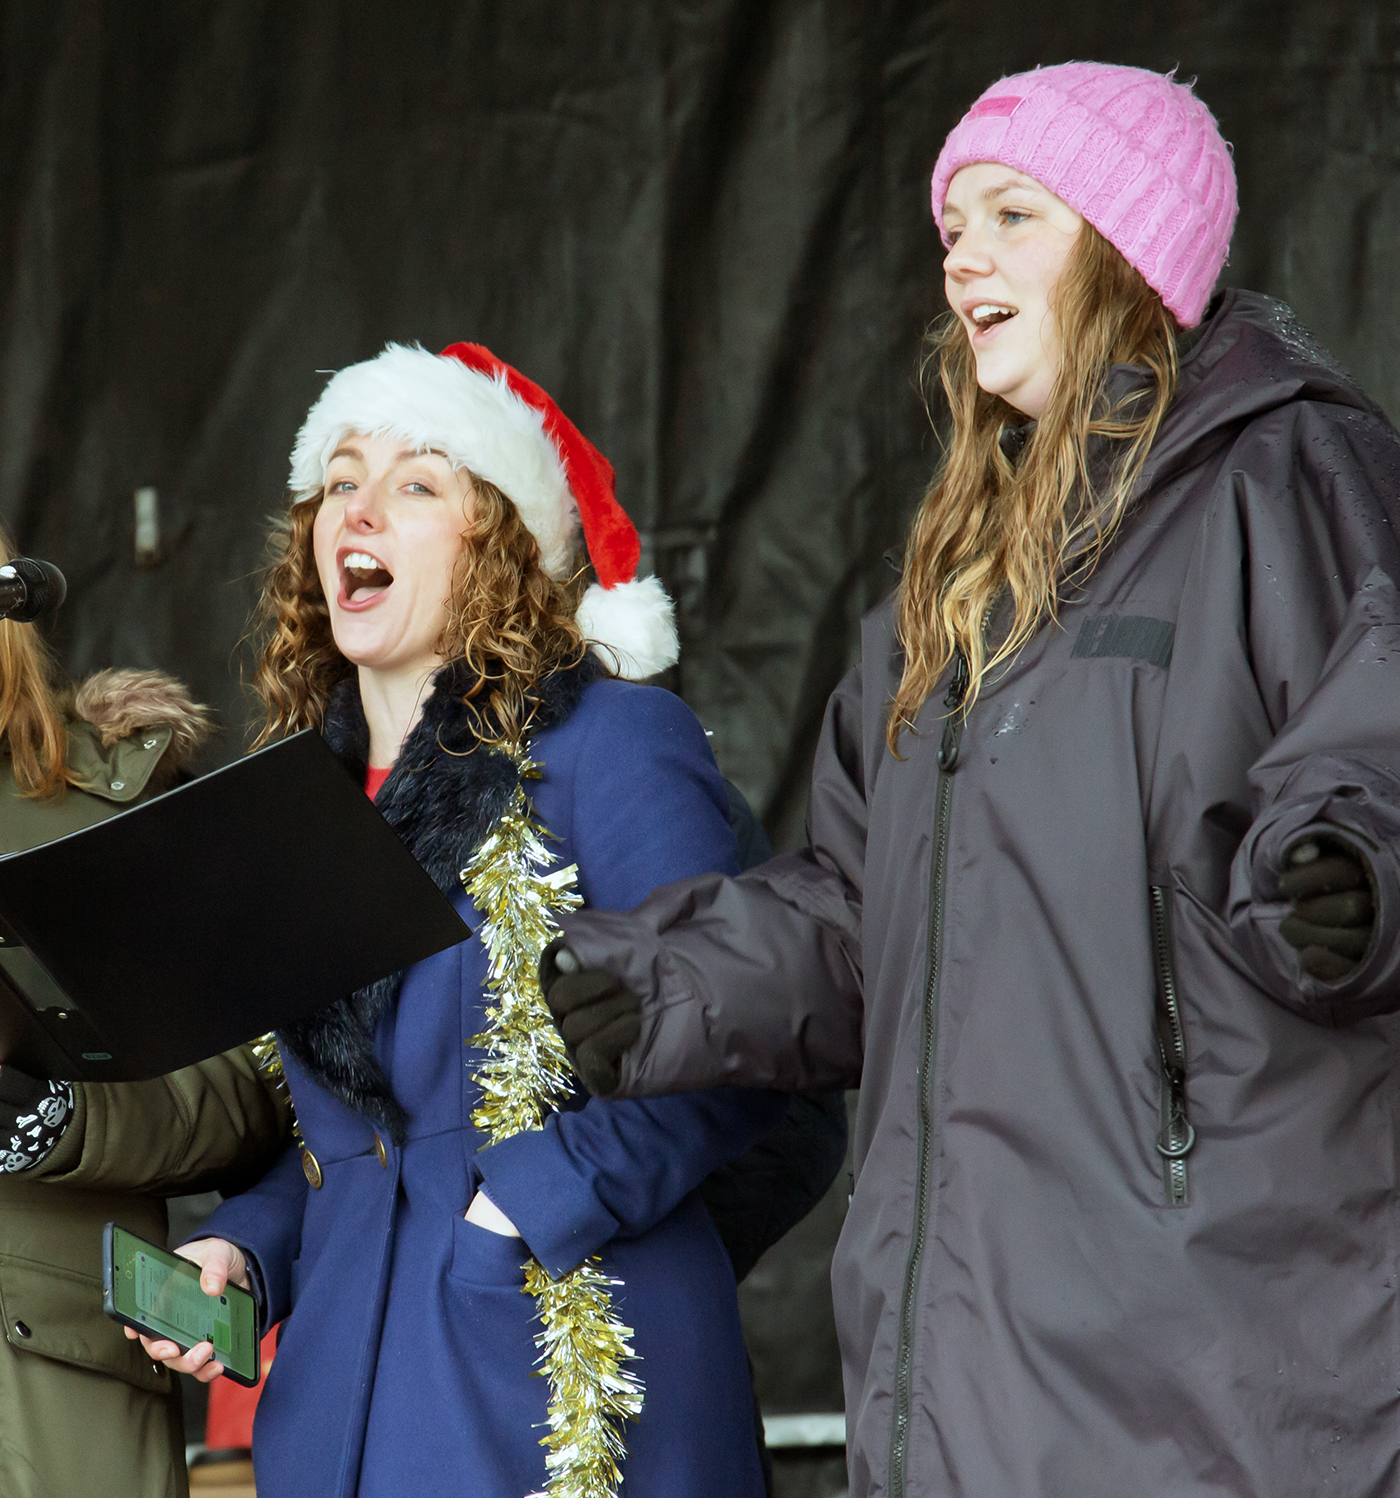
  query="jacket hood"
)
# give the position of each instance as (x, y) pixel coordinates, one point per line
(118, 702)
(132, 733)
(1250, 356)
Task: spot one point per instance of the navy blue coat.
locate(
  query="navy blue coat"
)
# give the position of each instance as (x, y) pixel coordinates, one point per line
(406, 1366)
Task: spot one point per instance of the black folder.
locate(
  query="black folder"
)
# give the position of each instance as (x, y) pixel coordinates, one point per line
(226, 908)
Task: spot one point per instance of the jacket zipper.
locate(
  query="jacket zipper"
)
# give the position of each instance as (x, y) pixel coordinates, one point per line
(948, 750)
(1176, 1136)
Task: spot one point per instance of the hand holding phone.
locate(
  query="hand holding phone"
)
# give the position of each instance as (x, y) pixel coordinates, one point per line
(192, 1311)
(220, 1264)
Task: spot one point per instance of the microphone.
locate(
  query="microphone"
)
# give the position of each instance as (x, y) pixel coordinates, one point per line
(30, 589)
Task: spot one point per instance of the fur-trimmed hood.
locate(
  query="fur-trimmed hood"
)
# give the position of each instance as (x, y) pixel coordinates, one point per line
(118, 704)
(445, 793)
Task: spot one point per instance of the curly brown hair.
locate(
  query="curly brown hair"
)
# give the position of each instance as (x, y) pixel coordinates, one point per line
(509, 623)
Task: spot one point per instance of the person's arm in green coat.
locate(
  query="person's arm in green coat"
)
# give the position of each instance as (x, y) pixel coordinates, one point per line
(218, 1125)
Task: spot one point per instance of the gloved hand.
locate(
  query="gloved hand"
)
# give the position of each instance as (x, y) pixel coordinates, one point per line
(1333, 912)
(598, 1016)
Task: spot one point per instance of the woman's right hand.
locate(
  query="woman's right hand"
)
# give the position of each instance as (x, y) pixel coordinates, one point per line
(596, 1013)
(486, 1214)
(220, 1264)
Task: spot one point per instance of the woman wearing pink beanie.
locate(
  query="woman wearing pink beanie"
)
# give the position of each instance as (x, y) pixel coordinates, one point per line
(1102, 904)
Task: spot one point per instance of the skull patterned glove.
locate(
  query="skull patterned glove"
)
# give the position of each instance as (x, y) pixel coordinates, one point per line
(33, 1116)
(1333, 913)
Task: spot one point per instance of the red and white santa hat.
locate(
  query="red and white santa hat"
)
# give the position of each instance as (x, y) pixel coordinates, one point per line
(487, 417)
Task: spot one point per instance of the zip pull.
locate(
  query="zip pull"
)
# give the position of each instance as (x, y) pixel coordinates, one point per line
(961, 680)
(949, 745)
(951, 741)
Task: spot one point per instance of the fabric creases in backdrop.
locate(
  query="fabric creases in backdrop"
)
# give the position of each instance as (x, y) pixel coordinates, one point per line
(702, 226)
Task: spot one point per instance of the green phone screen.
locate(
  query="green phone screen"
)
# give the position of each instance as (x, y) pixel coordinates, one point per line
(162, 1292)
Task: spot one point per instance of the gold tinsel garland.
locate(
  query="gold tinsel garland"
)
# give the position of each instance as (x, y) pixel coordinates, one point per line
(583, 1346)
(269, 1063)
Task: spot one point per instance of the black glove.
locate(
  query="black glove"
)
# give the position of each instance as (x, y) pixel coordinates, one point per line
(1333, 912)
(596, 1014)
(33, 1116)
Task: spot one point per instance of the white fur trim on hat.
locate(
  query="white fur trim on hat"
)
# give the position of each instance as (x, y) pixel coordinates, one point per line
(632, 626)
(475, 419)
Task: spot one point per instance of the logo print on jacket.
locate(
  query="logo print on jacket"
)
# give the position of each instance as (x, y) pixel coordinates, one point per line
(1126, 636)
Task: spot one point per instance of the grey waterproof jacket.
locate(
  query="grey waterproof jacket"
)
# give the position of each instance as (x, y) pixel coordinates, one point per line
(1125, 1218)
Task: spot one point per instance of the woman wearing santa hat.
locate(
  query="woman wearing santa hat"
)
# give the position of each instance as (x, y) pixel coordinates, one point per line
(424, 610)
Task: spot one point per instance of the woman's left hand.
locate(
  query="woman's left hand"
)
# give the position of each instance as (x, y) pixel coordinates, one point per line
(486, 1214)
(1334, 914)
(220, 1263)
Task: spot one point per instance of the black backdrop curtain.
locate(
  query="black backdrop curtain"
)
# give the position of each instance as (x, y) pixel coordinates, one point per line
(704, 227)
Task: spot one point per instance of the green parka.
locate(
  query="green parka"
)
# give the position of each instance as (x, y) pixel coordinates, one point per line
(82, 1409)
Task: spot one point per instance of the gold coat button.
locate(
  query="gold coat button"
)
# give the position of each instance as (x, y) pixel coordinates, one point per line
(311, 1169)
(381, 1152)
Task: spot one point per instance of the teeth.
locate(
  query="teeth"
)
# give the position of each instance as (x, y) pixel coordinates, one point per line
(361, 561)
(991, 309)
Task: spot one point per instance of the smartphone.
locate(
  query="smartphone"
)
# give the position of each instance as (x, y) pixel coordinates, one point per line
(158, 1293)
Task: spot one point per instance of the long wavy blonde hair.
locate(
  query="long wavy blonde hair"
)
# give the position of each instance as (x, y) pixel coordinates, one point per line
(988, 524)
(31, 722)
(508, 621)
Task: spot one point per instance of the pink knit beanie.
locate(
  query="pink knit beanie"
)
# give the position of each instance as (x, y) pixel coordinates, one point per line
(1136, 153)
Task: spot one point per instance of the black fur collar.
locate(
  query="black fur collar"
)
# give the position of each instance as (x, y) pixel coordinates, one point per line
(444, 795)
